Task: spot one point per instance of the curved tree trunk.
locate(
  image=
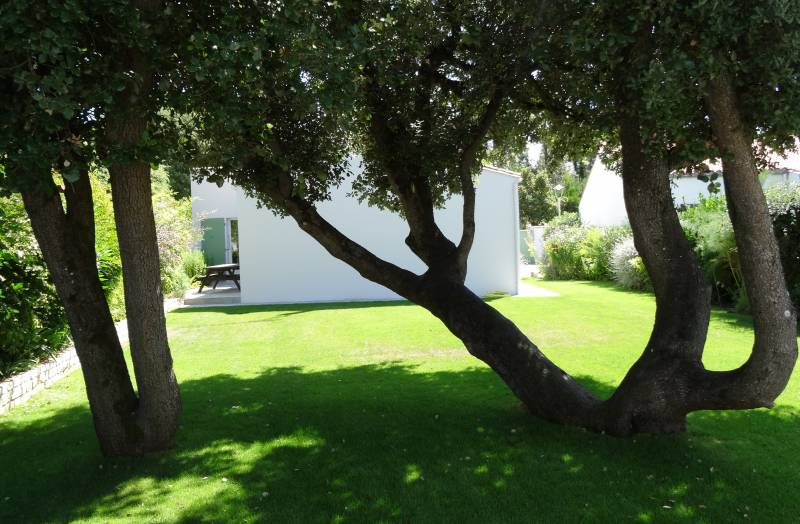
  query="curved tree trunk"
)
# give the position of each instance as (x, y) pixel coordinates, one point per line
(654, 396)
(544, 388)
(764, 376)
(669, 380)
(68, 246)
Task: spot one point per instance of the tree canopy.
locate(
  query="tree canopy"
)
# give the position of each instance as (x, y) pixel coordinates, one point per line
(276, 97)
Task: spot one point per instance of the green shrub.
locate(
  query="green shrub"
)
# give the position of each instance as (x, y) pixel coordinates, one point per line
(177, 279)
(784, 207)
(564, 251)
(709, 230)
(561, 221)
(32, 321)
(174, 281)
(109, 264)
(708, 227)
(194, 264)
(575, 252)
(598, 247)
(175, 234)
(627, 266)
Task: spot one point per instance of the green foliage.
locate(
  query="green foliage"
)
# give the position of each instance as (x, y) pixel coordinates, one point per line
(784, 207)
(179, 182)
(538, 194)
(708, 228)
(562, 220)
(193, 263)
(535, 206)
(565, 254)
(32, 321)
(174, 281)
(109, 264)
(175, 234)
(599, 246)
(526, 249)
(575, 252)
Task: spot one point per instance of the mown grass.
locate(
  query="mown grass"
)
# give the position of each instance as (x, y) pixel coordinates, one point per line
(374, 413)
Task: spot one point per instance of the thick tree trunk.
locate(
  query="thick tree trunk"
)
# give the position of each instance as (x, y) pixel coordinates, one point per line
(159, 404)
(651, 399)
(159, 396)
(545, 389)
(764, 376)
(654, 396)
(67, 244)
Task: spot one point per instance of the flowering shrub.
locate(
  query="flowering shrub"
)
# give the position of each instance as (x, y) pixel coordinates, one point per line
(627, 266)
(577, 252)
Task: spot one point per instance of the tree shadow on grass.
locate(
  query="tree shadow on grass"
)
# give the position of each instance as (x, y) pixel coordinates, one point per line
(392, 443)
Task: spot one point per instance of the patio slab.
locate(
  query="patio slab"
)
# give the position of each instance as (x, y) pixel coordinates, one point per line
(224, 294)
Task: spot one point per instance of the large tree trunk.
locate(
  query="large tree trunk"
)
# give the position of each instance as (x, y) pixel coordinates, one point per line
(654, 396)
(68, 246)
(159, 396)
(545, 389)
(764, 376)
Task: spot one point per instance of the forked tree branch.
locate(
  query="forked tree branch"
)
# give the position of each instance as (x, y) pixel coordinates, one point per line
(339, 245)
(466, 162)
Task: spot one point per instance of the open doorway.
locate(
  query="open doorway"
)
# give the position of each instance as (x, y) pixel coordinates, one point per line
(220, 240)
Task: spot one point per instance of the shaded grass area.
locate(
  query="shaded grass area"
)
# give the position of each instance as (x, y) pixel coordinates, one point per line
(374, 413)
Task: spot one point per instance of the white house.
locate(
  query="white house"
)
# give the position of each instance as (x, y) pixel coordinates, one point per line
(280, 263)
(603, 203)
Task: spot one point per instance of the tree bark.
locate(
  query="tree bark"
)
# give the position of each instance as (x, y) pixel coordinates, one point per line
(68, 246)
(159, 396)
(654, 395)
(764, 376)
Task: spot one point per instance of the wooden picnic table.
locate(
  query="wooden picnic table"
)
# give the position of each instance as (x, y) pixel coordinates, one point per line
(218, 273)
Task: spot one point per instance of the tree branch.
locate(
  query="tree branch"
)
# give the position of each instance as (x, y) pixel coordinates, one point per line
(368, 265)
(466, 161)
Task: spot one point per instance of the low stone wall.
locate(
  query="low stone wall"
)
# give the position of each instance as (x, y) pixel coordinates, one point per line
(17, 389)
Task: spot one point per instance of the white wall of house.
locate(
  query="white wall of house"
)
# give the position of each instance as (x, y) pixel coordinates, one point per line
(212, 201)
(279, 263)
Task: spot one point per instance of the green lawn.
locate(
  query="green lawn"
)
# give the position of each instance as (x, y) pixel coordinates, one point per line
(374, 413)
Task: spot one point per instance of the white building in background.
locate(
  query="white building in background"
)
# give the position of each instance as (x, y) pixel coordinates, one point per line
(603, 202)
(280, 263)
